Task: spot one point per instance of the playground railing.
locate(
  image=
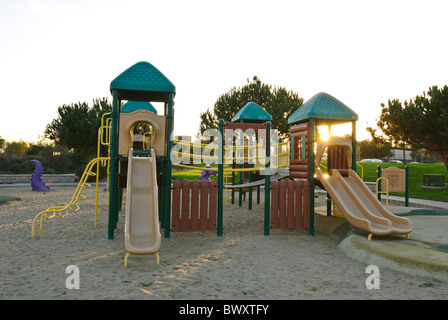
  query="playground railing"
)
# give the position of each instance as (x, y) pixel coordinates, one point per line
(380, 192)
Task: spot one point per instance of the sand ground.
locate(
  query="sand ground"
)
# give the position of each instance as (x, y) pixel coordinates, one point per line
(243, 264)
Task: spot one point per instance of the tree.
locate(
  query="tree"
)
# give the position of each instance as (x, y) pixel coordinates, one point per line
(370, 150)
(16, 147)
(278, 102)
(392, 134)
(422, 122)
(76, 127)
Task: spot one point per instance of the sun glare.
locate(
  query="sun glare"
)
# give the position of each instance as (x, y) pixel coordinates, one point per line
(324, 133)
(324, 136)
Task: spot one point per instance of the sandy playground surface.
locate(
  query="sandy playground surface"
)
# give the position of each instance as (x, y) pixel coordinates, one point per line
(243, 264)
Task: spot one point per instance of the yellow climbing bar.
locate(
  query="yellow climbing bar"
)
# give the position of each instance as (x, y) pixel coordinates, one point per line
(386, 192)
(77, 196)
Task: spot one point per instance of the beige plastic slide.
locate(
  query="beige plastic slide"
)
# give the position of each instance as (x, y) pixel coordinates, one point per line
(360, 206)
(142, 232)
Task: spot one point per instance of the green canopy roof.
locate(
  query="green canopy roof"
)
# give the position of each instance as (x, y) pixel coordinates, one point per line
(323, 106)
(142, 82)
(132, 106)
(252, 111)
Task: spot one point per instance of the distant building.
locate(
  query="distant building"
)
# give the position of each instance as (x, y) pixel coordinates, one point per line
(397, 154)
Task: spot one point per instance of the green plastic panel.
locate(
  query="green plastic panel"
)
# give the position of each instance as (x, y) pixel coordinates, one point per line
(132, 106)
(252, 111)
(142, 76)
(323, 106)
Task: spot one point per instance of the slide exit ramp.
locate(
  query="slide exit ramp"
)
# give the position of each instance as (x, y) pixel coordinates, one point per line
(142, 231)
(359, 205)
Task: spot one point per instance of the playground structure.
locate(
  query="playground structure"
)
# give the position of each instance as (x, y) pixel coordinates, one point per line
(250, 113)
(232, 147)
(355, 200)
(248, 144)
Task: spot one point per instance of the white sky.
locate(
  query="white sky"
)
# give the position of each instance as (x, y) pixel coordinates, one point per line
(55, 52)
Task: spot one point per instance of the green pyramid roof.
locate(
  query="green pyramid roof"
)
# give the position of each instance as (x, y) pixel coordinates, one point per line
(132, 106)
(323, 106)
(252, 111)
(142, 82)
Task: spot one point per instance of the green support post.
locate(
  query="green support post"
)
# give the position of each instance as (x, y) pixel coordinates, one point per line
(406, 194)
(240, 193)
(233, 167)
(167, 174)
(233, 182)
(241, 144)
(354, 146)
(329, 202)
(250, 191)
(113, 182)
(311, 176)
(220, 175)
(267, 181)
(378, 175)
(161, 192)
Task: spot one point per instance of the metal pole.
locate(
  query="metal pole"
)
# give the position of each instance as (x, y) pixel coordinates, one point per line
(113, 179)
(220, 175)
(233, 167)
(311, 175)
(354, 146)
(329, 202)
(267, 181)
(167, 175)
(406, 201)
(378, 170)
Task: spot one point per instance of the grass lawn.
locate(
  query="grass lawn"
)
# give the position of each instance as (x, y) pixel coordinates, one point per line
(416, 172)
(188, 174)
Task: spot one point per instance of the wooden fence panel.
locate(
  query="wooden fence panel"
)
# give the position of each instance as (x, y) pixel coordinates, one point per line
(213, 206)
(282, 205)
(274, 202)
(290, 204)
(298, 195)
(194, 206)
(291, 209)
(175, 219)
(185, 216)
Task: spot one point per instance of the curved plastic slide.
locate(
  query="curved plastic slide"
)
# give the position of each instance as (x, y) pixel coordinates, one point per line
(142, 232)
(360, 206)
